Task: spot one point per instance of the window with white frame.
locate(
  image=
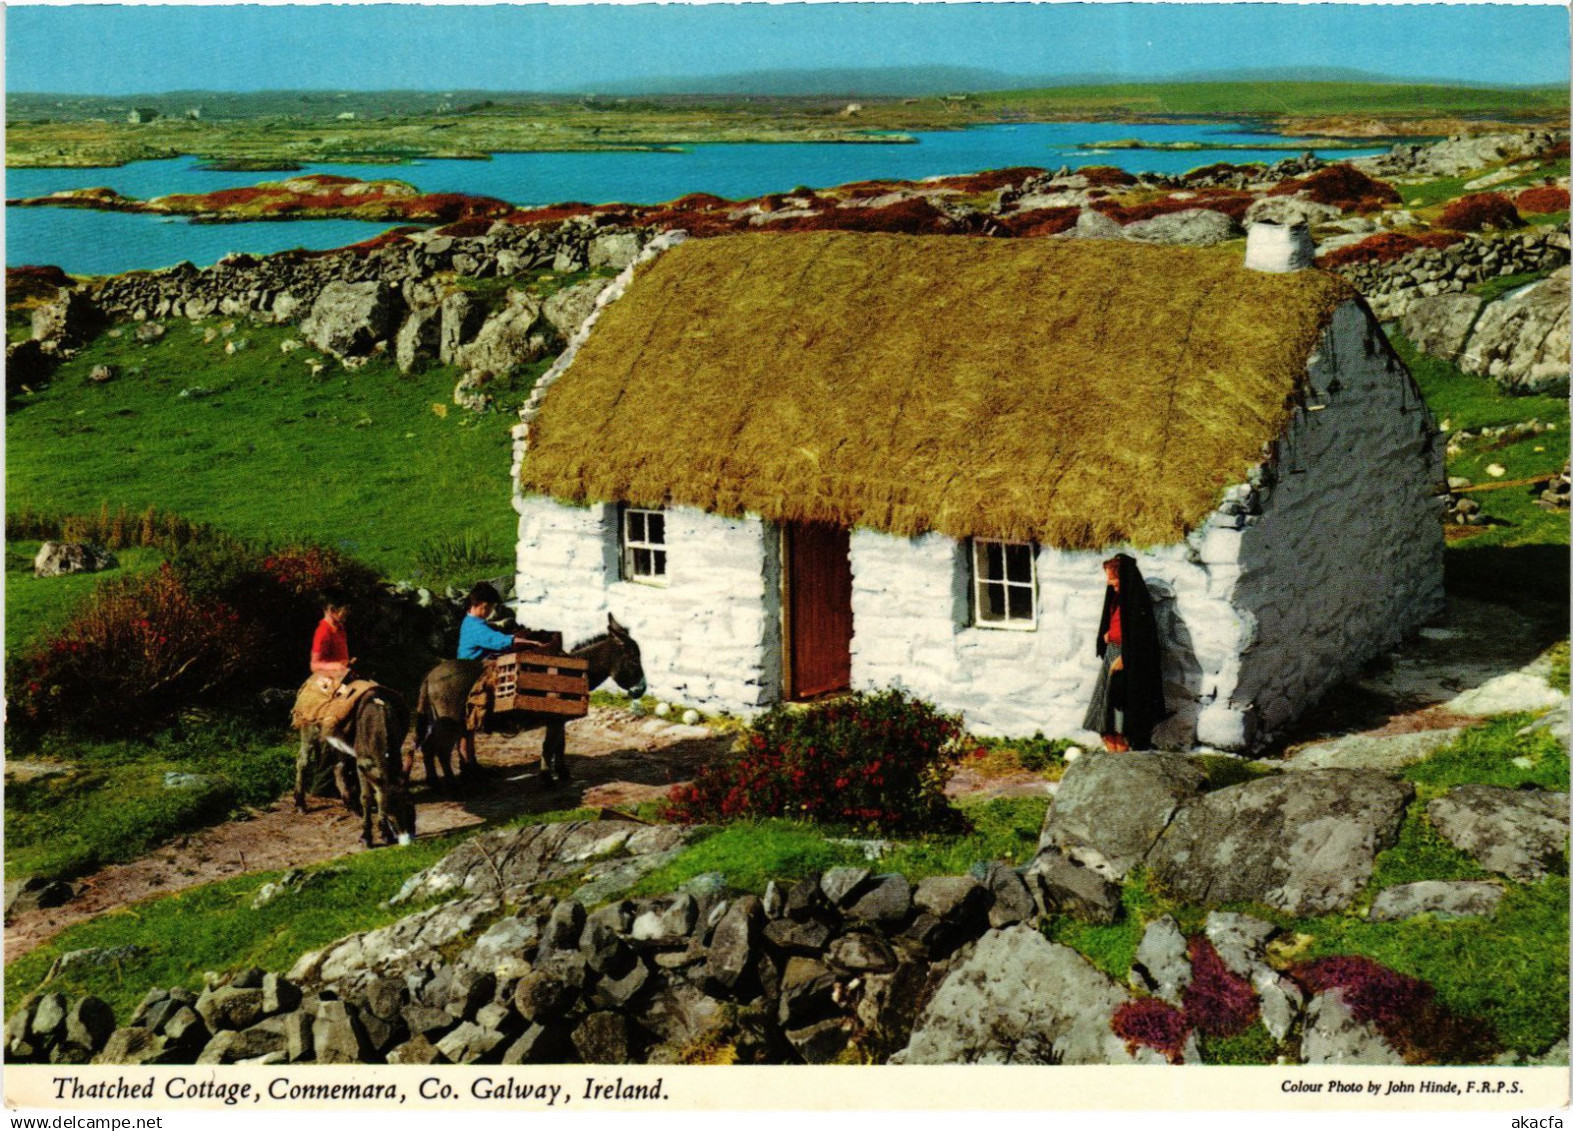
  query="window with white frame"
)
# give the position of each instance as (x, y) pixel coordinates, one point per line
(1004, 584)
(644, 545)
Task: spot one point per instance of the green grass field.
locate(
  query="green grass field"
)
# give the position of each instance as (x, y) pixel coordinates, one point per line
(372, 461)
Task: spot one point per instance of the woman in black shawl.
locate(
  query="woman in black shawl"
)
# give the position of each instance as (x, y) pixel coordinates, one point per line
(1128, 700)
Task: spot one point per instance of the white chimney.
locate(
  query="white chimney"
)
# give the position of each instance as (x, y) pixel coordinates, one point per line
(1279, 248)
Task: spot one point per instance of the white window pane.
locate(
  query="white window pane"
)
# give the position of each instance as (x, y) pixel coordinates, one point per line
(658, 563)
(641, 563)
(636, 526)
(655, 528)
(1020, 603)
(991, 601)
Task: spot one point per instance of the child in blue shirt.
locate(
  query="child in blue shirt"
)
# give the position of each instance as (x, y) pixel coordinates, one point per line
(477, 639)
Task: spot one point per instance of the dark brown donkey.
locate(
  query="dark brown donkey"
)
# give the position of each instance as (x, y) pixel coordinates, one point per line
(440, 707)
(372, 742)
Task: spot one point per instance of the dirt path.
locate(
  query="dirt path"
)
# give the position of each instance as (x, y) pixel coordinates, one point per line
(618, 759)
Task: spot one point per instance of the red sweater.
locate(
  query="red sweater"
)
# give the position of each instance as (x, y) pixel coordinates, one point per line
(330, 645)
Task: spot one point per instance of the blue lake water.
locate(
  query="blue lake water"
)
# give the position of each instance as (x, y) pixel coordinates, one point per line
(105, 242)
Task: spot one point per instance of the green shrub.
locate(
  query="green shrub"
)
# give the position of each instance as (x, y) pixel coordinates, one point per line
(878, 761)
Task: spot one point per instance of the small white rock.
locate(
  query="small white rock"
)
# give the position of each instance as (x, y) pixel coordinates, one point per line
(1071, 753)
(1496, 471)
(691, 717)
(663, 709)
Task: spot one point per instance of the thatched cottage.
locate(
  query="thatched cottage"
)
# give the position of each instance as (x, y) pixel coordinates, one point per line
(796, 464)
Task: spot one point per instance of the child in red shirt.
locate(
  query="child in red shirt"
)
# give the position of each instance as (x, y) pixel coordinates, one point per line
(330, 647)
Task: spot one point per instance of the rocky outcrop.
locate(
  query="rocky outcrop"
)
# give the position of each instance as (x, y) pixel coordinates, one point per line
(1303, 843)
(506, 864)
(349, 319)
(1192, 227)
(1016, 998)
(1440, 325)
(1333, 1035)
(56, 559)
(1521, 834)
(1110, 808)
(513, 336)
(567, 309)
(1520, 340)
(67, 322)
(1461, 153)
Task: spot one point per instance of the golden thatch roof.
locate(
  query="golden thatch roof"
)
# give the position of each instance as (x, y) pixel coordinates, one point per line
(1079, 394)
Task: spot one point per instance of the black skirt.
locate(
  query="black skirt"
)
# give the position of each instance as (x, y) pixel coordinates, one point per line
(1106, 712)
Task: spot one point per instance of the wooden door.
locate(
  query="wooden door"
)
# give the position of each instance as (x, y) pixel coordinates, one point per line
(819, 609)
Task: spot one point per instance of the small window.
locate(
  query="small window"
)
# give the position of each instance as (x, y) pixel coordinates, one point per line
(1004, 584)
(644, 546)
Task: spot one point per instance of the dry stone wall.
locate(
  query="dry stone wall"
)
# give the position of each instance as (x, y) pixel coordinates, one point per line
(1394, 288)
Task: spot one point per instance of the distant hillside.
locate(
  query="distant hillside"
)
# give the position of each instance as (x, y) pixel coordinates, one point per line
(866, 82)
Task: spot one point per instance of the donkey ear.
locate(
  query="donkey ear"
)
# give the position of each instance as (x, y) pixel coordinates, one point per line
(613, 627)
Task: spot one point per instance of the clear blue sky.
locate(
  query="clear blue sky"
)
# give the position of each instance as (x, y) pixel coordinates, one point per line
(106, 49)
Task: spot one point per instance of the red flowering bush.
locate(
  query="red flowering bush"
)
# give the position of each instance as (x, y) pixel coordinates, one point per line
(1384, 247)
(138, 648)
(1154, 1023)
(1343, 187)
(1479, 211)
(874, 760)
(1543, 199)
(914, 216)
(1105, 175)
(1039, 221)
(1227, 201)
(277, 590)
(991, 179)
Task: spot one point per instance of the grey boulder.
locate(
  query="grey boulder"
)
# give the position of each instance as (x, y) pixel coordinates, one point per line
(56, 559)
(348, 319)
(1302, 843)
(1194, 227)
(1521, 834)
(1018, 998)
(1333, 1036)
(1444, 899)
(1111, 808)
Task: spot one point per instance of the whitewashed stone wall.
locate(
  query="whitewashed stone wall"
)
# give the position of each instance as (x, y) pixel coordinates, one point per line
(911, 615)
(1339, 546)
(710, 637)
